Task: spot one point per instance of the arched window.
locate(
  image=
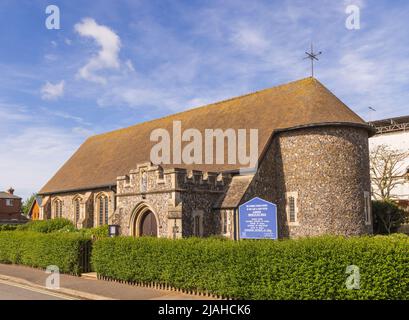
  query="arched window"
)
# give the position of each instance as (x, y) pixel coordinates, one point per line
(77, 209)
(57, 208)
(102, 209)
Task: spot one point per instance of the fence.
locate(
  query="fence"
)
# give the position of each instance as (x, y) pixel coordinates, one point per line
(85, 257)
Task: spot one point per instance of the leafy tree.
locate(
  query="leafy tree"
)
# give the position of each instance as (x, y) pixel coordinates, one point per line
(388, 216)
(27, 204)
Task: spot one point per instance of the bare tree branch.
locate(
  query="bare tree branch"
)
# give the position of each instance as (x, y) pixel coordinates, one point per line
(386, 170)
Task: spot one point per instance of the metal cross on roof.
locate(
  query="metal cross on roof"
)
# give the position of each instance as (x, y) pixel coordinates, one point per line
(313, 56)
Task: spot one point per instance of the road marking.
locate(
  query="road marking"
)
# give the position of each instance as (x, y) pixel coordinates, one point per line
(42, 291)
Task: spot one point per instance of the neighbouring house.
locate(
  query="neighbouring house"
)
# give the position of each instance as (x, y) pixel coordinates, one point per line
(34, 211)
(10, 208)
(313, 163)
(394, 133)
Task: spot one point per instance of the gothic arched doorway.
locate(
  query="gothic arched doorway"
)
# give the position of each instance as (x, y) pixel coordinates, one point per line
(148, 225)
(143, 221)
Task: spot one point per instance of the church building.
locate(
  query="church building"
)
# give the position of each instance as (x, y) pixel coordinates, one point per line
(313, 163)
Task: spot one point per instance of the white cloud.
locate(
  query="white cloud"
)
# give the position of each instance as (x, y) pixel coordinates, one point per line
(135, 97)
(129, 65)
(50, 57)
(360, 72)
(35, 149)
(107, 57)
(65, 115)
(250, 39)
(33, 155)
(12, 113)
(359, 3)
(81, 131)
(52, 91)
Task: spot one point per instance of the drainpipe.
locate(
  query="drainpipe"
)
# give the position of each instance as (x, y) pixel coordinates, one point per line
(111, 188)
(235, 224)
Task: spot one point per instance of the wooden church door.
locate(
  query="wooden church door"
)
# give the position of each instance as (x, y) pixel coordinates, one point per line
(148, 225)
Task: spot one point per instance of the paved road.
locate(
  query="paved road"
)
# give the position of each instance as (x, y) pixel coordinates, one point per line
(12, 291)
(88, 288)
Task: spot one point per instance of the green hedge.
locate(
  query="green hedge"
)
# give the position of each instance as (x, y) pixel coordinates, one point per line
(59, 225)
(47, 226)
(95, 233)
(313, 268)
(40, 250)
(8, 227)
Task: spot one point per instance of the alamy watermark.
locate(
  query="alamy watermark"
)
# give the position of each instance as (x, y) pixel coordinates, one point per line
(353, 21)
(190, 147)
(52, 22)
(53, 280)
(353, 281)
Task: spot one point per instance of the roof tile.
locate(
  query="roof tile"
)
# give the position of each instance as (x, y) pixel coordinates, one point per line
(102, 158)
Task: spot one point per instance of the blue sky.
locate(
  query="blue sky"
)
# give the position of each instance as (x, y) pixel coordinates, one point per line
(116, 63)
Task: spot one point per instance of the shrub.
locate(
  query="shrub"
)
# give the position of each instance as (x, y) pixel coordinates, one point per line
(96, 233)
(388, 217)
(8, 227)
(40, 250)
(312, 268)
(47, 226)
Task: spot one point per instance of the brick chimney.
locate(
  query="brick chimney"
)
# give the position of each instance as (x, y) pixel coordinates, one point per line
(10, 190)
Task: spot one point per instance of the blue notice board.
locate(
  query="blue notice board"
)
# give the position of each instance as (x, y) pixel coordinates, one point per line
(258, 220)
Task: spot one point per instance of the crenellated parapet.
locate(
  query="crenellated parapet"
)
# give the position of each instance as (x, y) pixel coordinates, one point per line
(202, 179)
(149, 178)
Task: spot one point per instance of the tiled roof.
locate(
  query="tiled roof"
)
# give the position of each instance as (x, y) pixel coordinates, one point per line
(6, 195)
(237, 188)
(102, 158)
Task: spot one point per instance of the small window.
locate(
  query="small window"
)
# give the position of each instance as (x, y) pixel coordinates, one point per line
(367, 208)
(9, 202)
(144, 181)
(291, 208)
(224, 222)
(291, 203)
(160, 174)
(77, 208)
(198, 224)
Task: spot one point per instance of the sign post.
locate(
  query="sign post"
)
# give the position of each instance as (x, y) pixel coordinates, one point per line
(258, 220)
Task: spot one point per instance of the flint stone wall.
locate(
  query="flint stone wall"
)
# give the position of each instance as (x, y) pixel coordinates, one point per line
(328, 168)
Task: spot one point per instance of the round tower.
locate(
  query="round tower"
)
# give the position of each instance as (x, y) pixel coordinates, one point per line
(323, 180)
